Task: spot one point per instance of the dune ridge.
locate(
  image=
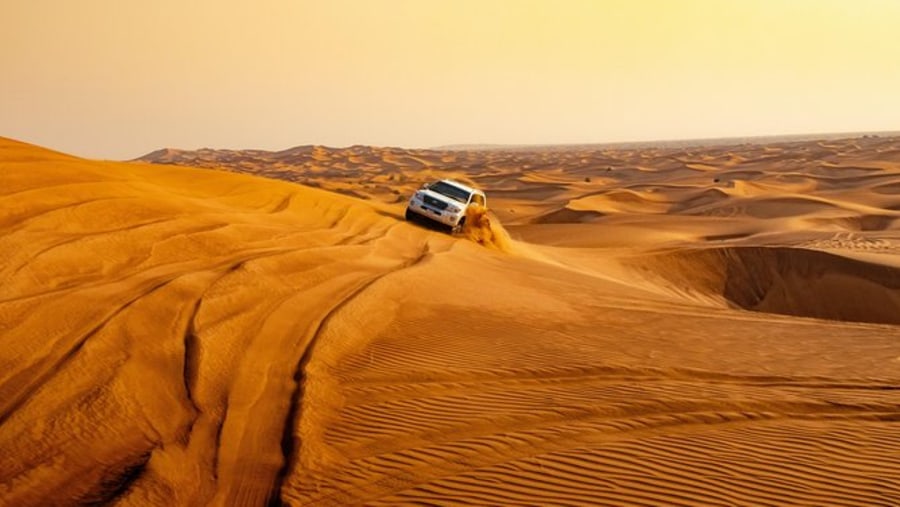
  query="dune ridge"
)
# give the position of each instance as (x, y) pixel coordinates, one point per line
(784, 280)
(625, 326)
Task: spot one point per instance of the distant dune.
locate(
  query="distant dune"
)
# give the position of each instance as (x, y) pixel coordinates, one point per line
(707, 325)
(672, 143)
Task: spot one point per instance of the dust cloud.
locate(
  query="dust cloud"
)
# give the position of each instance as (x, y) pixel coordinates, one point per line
(484, 230)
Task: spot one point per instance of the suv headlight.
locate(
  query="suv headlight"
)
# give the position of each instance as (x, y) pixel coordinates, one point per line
(453, 209)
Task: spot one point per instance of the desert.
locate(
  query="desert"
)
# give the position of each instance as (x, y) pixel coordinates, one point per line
(712, 324)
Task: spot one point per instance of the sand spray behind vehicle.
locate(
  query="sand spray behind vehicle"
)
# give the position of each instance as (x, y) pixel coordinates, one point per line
(481, 229)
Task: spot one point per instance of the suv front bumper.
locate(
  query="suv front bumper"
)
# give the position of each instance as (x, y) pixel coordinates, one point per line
(441, 216)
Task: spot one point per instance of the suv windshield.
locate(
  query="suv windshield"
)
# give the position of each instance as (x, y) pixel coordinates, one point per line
(450, 191)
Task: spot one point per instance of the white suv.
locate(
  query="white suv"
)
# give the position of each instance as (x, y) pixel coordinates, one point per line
(445, 202)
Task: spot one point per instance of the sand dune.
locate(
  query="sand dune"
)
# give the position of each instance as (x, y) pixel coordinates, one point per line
(780, 280)
(656, 326)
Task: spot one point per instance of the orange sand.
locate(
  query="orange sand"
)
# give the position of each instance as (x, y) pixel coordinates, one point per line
(701, 326)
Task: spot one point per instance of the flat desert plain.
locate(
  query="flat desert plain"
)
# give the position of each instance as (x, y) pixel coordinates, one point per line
(649, 326)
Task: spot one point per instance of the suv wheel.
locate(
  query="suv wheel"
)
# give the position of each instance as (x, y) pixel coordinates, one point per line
(459, 227)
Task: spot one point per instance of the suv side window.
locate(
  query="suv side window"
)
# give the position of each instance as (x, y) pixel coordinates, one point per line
(478, 199)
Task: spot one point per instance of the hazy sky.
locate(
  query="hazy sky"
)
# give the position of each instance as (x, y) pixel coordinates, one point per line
(118, 78)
